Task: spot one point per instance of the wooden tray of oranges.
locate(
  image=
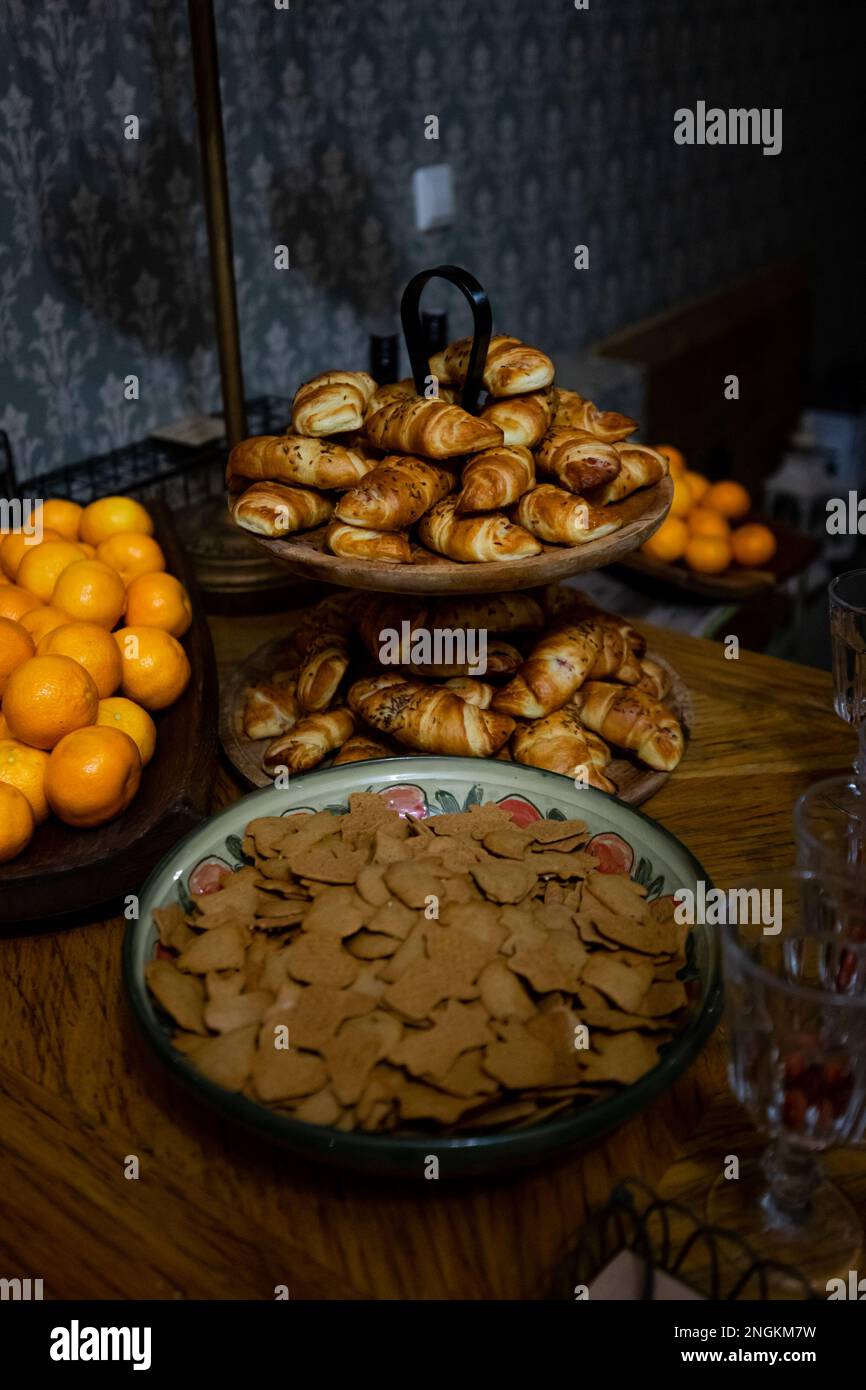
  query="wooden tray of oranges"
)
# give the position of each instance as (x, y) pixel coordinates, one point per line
(109, 697)
(714, 546)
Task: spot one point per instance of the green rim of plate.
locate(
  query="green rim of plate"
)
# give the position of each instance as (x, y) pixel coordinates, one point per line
(392, 1154)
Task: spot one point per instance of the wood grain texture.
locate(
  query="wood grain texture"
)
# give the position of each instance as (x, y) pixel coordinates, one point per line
(642, 514)
(79, 1088)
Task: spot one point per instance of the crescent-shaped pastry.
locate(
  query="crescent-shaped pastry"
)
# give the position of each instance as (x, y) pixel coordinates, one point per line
(577, 459)
(560, 743)
(474, 692)
(640, 466)
(405, 391)
(560, 518)
(512, 368)
(325, 662)
(655, 680)
(275, 509)
(428, 718)
(332, 403)
(523, 419)
(495, 478)
(556, 667)
(311, 740)
(365, 543)
(290, 458)
(430, 427)
(632, 719)
(270, 709)
(394, 494)
(575, 412)
(487, 536)
(360, 749)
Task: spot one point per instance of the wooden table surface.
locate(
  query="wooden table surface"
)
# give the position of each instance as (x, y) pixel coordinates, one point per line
(218, 1213)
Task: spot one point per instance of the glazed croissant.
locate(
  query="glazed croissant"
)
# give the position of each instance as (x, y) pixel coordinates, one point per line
(430, 427)
(620, 650)
(311, 740)
(474, 692)
(405, 391)
(270, 709)
(577, 459)
(495, 478)
(556, 667)
(632, 719)
(394, 494)
(366, 543)
(654, 679)
(640, 466)
(486, 536)
(360, 749)
(291, 458)
(325, 662)
(560, 518)
(523, 419)
(574, 412)
(511, 368)
(560, 743)
(332, 403)
(273, 509)
(428, 718)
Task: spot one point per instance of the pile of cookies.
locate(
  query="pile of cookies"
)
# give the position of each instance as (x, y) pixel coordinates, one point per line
(366, 971)
(369, 676)
(392, 475)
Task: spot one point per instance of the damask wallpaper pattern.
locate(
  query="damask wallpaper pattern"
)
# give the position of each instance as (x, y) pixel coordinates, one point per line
(558, 124)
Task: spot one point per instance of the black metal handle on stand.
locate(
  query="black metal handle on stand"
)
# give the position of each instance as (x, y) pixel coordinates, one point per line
(482, 317)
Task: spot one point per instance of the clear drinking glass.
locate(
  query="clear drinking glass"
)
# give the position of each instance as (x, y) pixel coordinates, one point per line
(795, 1002)
(848, 635)
(830, 827)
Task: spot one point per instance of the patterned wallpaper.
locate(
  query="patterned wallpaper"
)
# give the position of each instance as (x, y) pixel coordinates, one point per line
(558, 123)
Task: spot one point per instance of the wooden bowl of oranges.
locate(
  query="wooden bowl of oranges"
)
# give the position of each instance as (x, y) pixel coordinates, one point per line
(96, 651)
(707, 535)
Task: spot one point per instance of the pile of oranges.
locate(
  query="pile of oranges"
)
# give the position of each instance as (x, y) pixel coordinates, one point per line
(698, 526)
(90, 624)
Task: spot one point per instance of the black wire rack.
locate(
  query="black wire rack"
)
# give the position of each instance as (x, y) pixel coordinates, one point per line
(149, 468)
(663, 1234)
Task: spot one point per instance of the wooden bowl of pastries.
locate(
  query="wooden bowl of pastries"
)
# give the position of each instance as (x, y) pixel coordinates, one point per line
(376, 487)
(564, 687)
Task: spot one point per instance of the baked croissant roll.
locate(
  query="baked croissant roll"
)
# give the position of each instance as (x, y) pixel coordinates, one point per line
(640, 466)
(577, 459)
(619, 654)
(632, 719)
(325, 662)
(291, 458)
(495, 478)
(492, 613)
(655, 680)
(474, 692)
(574, 412)
(556, 667)
(311, 740)
(428, 718)
(486, 536)
(500, 659)
(511, 368)
(360, 749)
(365, 543)
(332, 403)
(274, 509)
(405, 391)
(560, 743)
(394, 494)
(430, 427)
(560, 518)
(495, 612)
(523, 419)
(270, 709)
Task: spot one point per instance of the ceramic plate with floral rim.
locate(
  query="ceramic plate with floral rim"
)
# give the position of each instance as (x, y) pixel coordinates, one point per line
(623, 839)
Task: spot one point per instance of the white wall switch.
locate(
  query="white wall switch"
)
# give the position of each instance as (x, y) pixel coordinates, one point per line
(433, 190)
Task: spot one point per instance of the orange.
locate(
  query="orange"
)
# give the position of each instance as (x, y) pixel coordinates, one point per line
(681, 505)
(90, 592)
(698, 484)
(155, 666)
(705, 522)
(109, 515)
(669, 541)
(4, 727)
(118, 713)
(89, 550)
(15, 602)
(131, 554)
(753, 545)
(92, 647)
(47, 697)
(92, 776)
(729, 498)
(41, 620)
(16, 646)
(4, 578)
(42, 566)
(676, 461)
(16, 545)
(16, 822)
(61, 514)
(24, 768)
(158, 600)
(708, 554)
